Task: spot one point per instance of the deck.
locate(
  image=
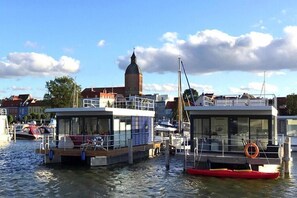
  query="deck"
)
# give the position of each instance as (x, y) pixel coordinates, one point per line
(231, 158)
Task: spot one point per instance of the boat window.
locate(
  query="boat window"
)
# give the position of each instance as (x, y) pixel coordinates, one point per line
(292, 127)
(219, 127)
(75, 126)
(90, 125)
(259, 131)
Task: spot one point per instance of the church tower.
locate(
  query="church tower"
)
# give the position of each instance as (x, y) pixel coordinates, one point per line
(133, 79)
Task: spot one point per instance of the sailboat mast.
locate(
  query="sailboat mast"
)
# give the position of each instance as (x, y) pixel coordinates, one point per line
(180, 114)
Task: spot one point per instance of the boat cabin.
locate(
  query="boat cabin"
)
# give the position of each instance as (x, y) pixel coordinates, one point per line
(114, 125)
(227, 123)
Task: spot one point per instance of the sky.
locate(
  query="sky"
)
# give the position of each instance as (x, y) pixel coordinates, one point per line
(226, 47)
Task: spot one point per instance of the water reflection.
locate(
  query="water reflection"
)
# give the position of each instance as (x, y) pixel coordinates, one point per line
(23, 174)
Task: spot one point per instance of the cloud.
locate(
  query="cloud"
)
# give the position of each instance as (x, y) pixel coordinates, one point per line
(35, 64)
(255, 87)
(31, 44)
(214, 51)
(172, 88)
(101, 43)
(15, 88)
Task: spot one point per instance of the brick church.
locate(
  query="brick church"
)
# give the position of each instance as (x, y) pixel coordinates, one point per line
(133, 84)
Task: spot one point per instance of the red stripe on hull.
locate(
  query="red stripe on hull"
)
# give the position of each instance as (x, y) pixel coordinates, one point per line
(249, 174)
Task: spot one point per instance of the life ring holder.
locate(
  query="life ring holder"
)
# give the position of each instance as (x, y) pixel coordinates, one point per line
(246, 150)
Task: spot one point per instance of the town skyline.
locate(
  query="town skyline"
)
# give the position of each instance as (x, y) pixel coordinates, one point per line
(226, 47)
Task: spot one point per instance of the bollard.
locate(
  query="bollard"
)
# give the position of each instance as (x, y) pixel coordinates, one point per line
(287, 155)
(130, 151)
(167, 155)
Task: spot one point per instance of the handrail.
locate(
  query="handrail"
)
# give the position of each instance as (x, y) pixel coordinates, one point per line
(66, 141)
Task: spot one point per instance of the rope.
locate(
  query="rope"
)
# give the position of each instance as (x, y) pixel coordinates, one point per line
(261, 147)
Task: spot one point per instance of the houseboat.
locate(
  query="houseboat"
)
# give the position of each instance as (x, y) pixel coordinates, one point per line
(4, 129)
(287, 127)
(234, 132)
(102, 134)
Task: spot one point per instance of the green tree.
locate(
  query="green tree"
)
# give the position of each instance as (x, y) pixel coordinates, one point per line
(292, 104)
(62, 92)
(10, 119)
(190, 95)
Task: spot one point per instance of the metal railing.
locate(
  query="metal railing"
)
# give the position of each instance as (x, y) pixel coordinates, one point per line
(95, 142)
(223, 145)
(127, 103)
(235, 100)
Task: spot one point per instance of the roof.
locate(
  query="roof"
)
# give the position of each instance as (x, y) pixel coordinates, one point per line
(95, 92)
(133, 68)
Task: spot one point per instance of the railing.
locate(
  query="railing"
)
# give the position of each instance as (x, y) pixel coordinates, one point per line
(128, 103)
(255, 100)
(95, 142)
(223, 146)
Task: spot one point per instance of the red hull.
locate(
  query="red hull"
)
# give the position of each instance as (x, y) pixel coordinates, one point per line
(244, 174)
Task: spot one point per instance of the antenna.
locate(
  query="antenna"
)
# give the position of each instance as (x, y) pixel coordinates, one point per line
(263, 86)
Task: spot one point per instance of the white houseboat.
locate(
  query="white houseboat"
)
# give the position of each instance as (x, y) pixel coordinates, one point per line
(4, 129)
(287, 127)
(242, 125)
(102, 134)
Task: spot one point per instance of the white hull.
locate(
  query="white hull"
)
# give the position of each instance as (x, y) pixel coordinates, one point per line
(5, 138)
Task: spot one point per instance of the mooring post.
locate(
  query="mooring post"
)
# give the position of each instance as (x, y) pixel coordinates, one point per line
(167, 154)
(287, 155)
(130, 151)
(14, 134)
(185, 152)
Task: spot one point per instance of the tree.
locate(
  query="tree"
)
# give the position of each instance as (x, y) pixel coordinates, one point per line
(10, 119)
(292, 104)
(187, 96)
(62, 92)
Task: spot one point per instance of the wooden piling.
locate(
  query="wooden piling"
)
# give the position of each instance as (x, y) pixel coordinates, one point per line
(167, 154)
(287, 155)
(130, 151)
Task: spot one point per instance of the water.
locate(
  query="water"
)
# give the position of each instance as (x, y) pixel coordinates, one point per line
(23, 174)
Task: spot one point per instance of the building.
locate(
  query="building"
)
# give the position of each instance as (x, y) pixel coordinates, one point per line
(133, 84)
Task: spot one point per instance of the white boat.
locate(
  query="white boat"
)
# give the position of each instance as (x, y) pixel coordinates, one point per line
(122, 125)
(27, 132)
(4, 129)
(287, 127)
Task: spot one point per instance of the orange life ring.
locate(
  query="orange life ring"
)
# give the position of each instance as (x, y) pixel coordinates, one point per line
(250, 155)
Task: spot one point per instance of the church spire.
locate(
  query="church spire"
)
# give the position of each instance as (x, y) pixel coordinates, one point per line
(133, 58)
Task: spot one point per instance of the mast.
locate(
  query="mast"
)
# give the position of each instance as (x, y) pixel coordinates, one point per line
(180, 109)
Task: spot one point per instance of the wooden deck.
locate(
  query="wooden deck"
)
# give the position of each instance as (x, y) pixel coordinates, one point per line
(90, 152)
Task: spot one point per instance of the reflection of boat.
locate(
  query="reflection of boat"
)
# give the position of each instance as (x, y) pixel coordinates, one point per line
(4, 134)
(243, 174)
(27, 132)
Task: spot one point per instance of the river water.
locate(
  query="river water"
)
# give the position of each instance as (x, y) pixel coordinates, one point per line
(23, 174)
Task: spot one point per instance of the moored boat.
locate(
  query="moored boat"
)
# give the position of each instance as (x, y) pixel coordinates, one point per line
(27, 132)
(4, 134)
(227, 173)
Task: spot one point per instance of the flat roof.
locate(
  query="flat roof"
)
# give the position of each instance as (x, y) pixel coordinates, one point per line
(82, 111)
(232, 110)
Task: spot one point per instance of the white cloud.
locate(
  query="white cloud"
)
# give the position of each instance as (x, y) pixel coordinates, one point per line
(170, 37)
(31, 44)
(172, 88)
(35, 64)
(15, 88)
(212, 51)
(255, 87)
(101, 43)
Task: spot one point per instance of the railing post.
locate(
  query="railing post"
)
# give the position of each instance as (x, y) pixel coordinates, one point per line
(287, 155)
(130, 151)
(167, 154)
(223, 149)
